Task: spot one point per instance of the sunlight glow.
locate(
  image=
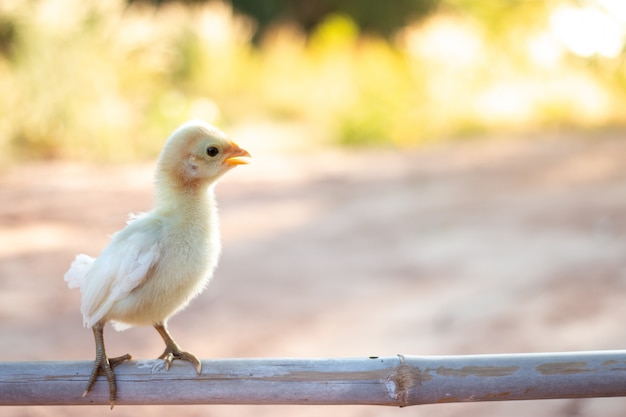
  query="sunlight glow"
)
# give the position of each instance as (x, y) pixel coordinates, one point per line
(544, 50)
(445, 40)
(616, 8)
(589, 31)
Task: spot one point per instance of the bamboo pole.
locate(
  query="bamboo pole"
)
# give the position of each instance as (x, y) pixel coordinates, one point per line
(393, 380)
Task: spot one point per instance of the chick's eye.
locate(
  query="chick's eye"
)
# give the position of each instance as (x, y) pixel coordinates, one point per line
(212, 151)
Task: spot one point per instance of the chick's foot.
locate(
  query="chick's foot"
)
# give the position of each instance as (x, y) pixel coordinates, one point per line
(173, 351)
(104, 365)
(170, 354)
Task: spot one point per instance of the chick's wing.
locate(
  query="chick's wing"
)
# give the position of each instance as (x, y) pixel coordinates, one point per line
(120, 268)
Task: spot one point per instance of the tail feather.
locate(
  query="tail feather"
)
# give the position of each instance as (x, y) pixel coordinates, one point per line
(78, 270)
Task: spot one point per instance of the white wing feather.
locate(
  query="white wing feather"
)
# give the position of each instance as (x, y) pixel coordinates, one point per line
(120, 268)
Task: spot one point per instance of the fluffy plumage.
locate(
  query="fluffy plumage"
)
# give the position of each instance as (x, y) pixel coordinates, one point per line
(164, 258)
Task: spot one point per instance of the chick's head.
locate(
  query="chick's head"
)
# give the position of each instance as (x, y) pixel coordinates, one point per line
(197, 154)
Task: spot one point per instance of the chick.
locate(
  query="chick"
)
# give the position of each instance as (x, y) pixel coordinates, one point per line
(162, 259)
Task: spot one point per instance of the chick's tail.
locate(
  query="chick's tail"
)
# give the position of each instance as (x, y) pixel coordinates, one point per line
(78, 270)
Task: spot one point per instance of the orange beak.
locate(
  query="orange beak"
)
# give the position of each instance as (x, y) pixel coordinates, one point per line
(235, 155)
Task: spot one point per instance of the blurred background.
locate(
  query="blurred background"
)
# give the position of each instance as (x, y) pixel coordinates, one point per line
(429, 177)
(105, 81)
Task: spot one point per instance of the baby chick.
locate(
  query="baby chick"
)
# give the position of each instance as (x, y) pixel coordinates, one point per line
(162, 259)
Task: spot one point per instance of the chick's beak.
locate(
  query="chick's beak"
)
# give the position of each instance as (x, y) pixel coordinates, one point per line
(235, 155)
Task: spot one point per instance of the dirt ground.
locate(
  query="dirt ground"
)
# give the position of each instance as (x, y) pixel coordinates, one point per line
(480, 247)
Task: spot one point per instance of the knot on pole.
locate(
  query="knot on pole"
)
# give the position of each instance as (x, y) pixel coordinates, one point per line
(400, 382)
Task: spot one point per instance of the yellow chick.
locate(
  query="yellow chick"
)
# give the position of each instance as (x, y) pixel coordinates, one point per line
(162, 259)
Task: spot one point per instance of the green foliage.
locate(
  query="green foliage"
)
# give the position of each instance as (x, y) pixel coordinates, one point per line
(369, 15)
(8, 37)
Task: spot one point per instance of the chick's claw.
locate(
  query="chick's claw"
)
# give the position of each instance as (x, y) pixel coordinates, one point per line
(119, 360)
(172, 353)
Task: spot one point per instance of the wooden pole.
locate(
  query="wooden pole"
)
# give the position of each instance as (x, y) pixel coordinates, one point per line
(393, 380)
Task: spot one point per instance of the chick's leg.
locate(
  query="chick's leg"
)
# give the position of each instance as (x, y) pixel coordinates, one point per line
(103, 364)
(172, 350)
